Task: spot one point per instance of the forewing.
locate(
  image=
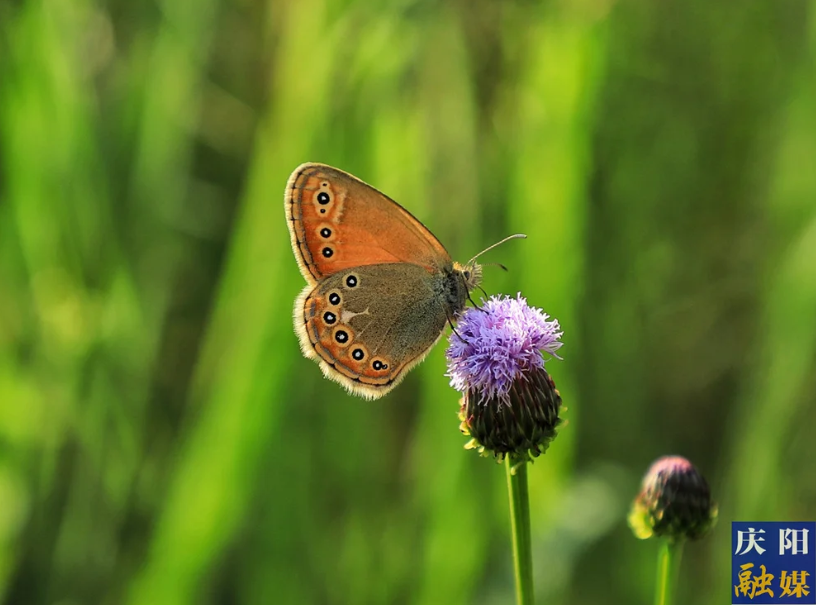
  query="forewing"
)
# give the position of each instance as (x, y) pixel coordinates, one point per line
(337, 222)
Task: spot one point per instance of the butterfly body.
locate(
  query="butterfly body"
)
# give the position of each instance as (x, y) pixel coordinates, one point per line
(381, 288)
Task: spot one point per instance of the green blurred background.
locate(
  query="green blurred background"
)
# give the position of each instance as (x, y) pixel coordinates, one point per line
(162, 441)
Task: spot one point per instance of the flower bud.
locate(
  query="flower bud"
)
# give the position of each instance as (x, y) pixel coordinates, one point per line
(674, 502)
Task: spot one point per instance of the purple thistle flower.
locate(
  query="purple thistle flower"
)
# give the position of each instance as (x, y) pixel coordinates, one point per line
(499, 344)
(510, 404)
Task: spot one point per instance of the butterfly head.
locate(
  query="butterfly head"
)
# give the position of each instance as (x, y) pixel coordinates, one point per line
(471, 274)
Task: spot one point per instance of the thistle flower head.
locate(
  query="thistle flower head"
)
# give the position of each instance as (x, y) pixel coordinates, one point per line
(510, 404)
(498, 344)
(674, 502)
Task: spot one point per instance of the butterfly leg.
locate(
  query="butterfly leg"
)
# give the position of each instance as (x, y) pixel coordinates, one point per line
(475, 306)
(450, 323)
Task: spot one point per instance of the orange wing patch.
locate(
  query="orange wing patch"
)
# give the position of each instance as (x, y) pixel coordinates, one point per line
(315, 208)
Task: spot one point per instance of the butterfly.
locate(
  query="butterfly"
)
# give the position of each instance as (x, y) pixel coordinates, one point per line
(381, 287)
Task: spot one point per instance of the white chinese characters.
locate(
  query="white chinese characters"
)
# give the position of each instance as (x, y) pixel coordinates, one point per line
(752, 538)
(793, 541)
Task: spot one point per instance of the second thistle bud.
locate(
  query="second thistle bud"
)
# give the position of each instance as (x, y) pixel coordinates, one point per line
(674, 502)
(510, 405)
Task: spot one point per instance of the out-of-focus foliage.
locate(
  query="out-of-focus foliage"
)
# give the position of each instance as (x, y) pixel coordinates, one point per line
(162, 441)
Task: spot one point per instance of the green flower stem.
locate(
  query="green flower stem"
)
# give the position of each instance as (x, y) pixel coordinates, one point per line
(668, 566)
(520, 526)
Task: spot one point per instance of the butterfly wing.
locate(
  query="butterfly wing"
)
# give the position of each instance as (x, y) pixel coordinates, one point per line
(369, 325)
(337, 222)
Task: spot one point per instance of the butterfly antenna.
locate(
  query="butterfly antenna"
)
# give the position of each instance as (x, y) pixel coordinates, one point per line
(499, 265)
(506, 239)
